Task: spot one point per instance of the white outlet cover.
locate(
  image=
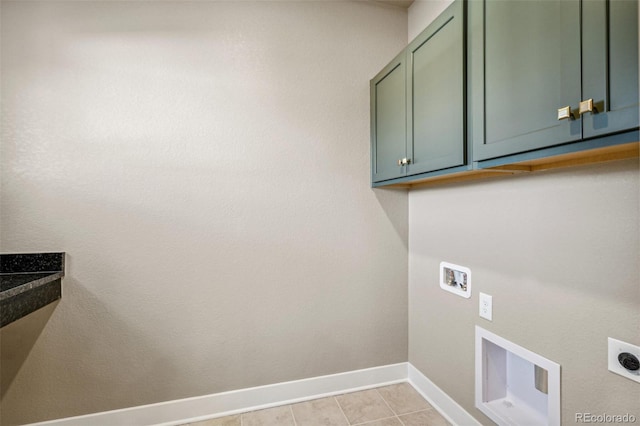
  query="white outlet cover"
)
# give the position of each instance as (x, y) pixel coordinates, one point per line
(455, 279)
(486, 306)
(617, 347)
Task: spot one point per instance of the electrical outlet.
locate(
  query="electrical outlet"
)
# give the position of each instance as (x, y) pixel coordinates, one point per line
(486, 306)
(621, 354)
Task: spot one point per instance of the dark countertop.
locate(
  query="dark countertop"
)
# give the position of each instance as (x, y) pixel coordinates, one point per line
(13, 283)
(28, 281)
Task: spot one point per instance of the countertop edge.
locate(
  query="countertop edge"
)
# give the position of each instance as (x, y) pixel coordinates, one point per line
(12, 292)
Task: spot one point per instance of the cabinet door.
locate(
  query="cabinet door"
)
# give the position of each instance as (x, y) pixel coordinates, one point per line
(435, 94)
(525, 65)
(388, 121)
(610, 65)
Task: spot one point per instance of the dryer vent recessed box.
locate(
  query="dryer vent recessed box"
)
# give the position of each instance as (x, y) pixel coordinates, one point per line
(515, 386)
(455, 279)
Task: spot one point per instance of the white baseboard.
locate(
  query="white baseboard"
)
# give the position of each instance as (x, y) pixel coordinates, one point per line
(233, 402)
(450, 410)
(205, 407)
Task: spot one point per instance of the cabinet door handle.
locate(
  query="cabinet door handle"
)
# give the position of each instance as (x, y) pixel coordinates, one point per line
(588, 106)
(404, 162)
(401, 162)
(565, 113)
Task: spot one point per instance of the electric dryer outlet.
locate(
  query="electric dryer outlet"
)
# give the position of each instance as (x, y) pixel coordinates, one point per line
(623, 359)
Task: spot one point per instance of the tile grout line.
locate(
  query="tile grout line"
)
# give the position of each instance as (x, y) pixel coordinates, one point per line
(400, 420)
(368, 422)
(429, 408)
(418, 411)
(384, 418)
(341, 410)
(385, 401)
(293, 416)
(397, 416)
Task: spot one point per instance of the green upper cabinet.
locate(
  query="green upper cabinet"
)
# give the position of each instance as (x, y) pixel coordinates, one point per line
(418, 104)
(388, 121)
(609, 66)
(525, 64)
(435, 95)
(535, 66)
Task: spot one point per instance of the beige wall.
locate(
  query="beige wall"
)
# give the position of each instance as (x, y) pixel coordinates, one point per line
(558, 251)
(205, 165)
(421, 13)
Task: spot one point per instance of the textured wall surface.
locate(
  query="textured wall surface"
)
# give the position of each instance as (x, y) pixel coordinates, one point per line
(421, 13)
(560, 254)
(205, 165)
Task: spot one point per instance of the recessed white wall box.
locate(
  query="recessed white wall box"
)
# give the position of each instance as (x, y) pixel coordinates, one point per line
(455, 279)
(624, 353)
(515, 386)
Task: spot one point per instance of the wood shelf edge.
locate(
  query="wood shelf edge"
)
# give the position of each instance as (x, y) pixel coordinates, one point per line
(465, 176)
(593, 156)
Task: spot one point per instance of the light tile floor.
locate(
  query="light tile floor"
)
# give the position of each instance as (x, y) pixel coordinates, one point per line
(394, 405)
